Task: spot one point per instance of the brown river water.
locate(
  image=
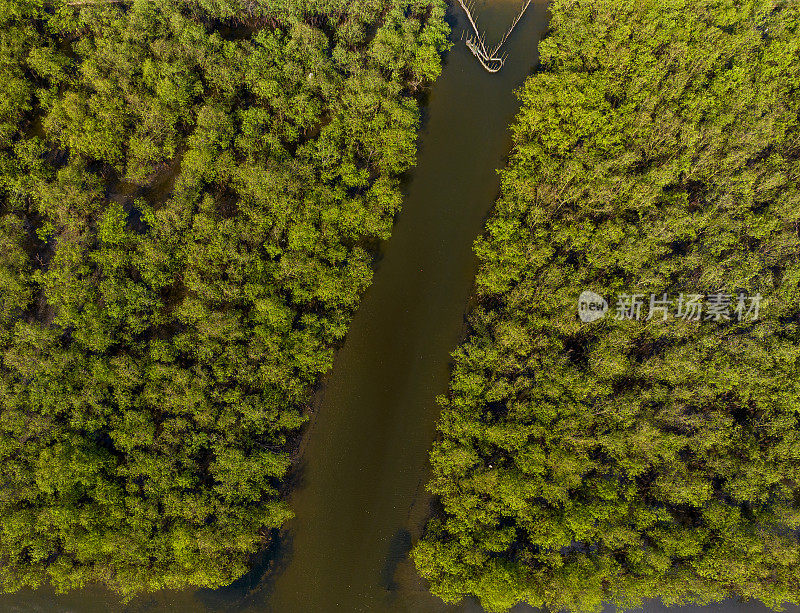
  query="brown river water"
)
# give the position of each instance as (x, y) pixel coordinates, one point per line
(360, 499)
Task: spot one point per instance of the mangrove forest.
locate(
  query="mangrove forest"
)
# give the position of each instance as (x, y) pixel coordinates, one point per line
(650, 452)
(191, 192)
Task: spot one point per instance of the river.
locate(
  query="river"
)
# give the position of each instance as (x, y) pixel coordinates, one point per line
(360, 501)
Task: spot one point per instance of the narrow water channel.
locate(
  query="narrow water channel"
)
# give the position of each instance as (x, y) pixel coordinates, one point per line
(361, 498)
(361, 501)
(366, 461)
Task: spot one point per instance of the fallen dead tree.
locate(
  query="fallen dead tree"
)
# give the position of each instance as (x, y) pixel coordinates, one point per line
(476, 42)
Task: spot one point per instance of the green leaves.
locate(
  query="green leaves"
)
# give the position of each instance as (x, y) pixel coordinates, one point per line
(583, 464)
(186, 223)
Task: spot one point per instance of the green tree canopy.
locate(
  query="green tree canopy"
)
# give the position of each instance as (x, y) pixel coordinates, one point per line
(190, 192)
(657, 151)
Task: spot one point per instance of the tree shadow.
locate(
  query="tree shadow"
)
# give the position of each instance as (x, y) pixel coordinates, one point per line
(399, 548)
(253, 589)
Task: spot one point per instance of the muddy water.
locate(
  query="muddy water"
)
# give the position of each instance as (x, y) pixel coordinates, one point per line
(361, 498)
(366, 460)
(360, 502)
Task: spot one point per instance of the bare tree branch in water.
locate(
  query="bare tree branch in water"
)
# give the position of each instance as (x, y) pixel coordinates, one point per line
(476, 42)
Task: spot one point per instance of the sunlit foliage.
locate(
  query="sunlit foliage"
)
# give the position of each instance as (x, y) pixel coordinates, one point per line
(579, 463)
(190, 192)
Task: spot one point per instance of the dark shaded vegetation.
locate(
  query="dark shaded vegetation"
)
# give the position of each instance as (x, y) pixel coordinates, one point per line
(580, 463)
(188, 193)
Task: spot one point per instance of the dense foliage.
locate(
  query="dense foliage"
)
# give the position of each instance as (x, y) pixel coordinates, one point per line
(657, 151)
(189, 194)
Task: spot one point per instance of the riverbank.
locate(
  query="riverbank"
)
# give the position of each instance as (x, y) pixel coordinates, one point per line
(645, 452)
(366, 459)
